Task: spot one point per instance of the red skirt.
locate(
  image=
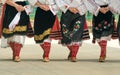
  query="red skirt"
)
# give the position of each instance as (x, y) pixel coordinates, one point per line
(56, 30)
(85, 32)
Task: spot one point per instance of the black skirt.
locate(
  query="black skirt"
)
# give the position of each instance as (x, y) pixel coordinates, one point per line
(118, 28)
(43, 23)
(103, 25)
(72, 26)
(21, 28)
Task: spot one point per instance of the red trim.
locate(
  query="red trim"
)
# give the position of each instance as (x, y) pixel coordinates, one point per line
(56, 30)
(85, 25)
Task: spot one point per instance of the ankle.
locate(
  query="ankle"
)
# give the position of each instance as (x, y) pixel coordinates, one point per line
(73, 59)
(17, 59)
(46, 59)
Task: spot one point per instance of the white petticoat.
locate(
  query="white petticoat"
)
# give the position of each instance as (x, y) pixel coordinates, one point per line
(16, 38)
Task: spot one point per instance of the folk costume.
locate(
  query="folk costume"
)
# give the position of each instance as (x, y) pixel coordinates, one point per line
(73, 26)
(103, 27)
(43, 26)
(114, 6)
(14, 37)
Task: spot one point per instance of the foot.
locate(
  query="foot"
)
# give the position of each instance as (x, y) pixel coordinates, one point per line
(102, 59)
(46, 59)
(73, 59)
(16, 59)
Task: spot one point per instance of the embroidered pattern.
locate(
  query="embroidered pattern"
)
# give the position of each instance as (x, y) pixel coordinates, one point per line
(104, 25)
(69, 33)
(41, 36)
(16, 29)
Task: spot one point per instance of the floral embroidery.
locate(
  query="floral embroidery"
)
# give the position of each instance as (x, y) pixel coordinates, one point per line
(96, 28)
(69, 33)
(76, 26)
(104, 25)
(99, 25)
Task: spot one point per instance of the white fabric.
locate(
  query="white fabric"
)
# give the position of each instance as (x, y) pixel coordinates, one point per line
(48, 2)
(81, 5)
(3, 1)
(16, 38)
(53, 7)
(15, 21)
(32, 2)
(28, 9)
(63, 6)
(47, 40)
(76, 43)
(115, 6)
(4, 43)
(107, 38)
(92, 6)
(102, 2)
(19, 0)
